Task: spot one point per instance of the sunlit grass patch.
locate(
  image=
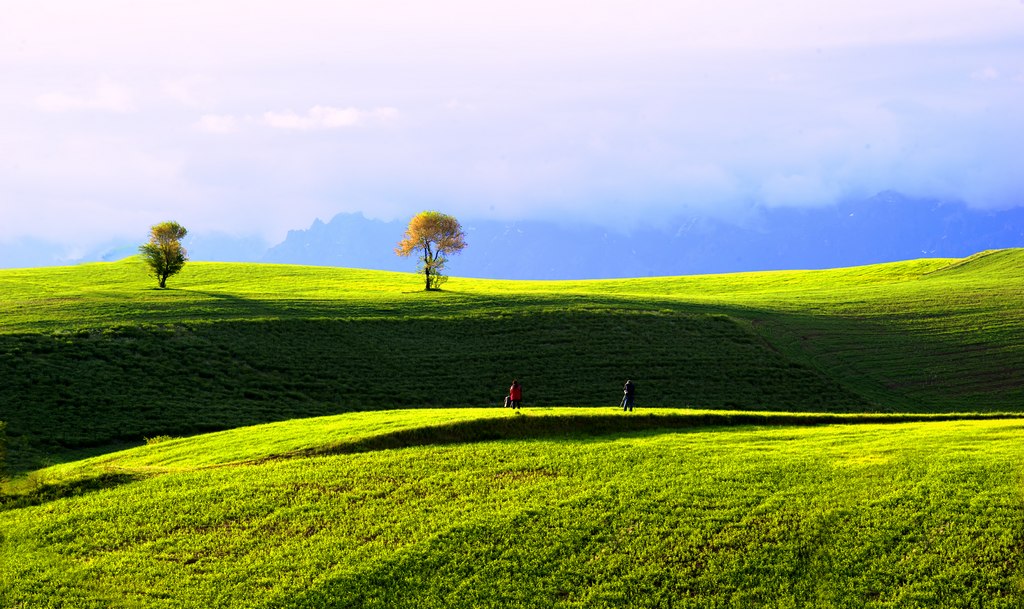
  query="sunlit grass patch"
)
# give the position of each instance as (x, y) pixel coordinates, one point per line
(726, 515)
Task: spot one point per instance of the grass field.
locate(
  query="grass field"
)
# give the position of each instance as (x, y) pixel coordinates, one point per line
(840, 438)
(93, 357)
(555, 511)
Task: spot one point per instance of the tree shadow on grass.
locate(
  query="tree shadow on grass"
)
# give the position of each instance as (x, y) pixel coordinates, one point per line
(42, 493)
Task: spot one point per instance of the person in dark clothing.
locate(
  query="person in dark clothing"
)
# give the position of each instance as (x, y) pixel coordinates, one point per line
(515, 395)
(628, 396)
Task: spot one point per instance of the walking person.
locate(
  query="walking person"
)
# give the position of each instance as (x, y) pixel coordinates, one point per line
(515, 395)
(628, 395)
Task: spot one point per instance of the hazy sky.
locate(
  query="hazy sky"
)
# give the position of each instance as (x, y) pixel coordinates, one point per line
(255, 117)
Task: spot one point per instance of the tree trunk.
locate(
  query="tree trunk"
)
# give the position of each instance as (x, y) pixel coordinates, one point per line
(427, 255)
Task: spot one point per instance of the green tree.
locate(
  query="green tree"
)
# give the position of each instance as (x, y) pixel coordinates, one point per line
(164, 253)
(432, 236)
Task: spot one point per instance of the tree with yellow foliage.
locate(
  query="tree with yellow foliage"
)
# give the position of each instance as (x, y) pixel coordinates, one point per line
(432, 236)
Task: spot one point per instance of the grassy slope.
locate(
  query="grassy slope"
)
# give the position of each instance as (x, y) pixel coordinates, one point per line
(556, 507)
(867, 515)
(92, 356)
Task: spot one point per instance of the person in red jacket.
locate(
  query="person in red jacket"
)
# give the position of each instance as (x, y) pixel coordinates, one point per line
(515, 394)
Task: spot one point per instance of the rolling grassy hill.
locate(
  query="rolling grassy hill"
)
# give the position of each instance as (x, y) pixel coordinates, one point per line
(551, 508)
(93, 357)
(823, 458)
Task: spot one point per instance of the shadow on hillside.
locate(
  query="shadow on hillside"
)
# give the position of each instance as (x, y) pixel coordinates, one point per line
(445, 301)
(252, 306)
(525, 427)
(42, 492)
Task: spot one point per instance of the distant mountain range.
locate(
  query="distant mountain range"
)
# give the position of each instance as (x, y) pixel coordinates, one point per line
(883, 228)
(886, 227)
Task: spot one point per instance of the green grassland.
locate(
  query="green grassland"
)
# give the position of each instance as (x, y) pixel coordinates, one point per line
(93, 357)
(839, 438)
(555, 509)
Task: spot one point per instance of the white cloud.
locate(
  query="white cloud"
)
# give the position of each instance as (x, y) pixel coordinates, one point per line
(106, 96)
(327, 117)
(217, 123)
(797, 191)
(316, 118)
(330, 30)
(287, 120)
(188, 91)
(595, 106)
(457, 105)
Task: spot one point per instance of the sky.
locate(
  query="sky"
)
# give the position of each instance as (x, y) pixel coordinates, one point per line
(252, 118)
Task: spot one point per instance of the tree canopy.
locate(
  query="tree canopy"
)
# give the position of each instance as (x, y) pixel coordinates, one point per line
(432, 236)
(164, 253)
